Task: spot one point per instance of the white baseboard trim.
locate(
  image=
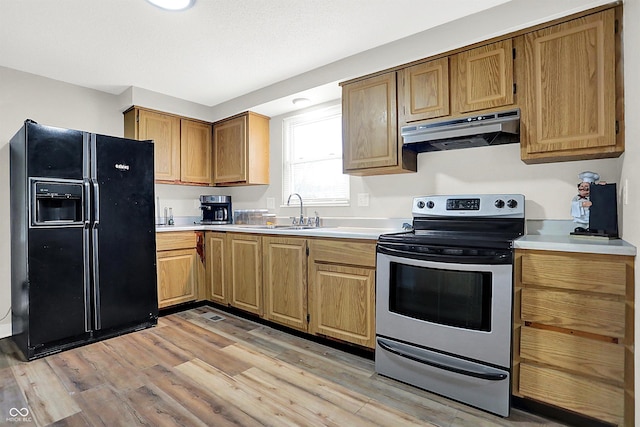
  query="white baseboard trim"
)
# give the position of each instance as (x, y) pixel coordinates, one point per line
(5, 330)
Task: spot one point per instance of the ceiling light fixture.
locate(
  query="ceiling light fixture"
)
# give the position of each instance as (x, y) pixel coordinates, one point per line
(174, 5)
(301, 102)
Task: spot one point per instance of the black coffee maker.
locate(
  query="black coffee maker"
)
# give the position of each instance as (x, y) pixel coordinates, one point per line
(216, 209)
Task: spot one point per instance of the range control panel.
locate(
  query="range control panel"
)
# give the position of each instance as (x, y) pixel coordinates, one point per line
(479, 205)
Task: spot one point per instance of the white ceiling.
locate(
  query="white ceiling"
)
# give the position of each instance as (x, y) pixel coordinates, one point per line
(215, 51)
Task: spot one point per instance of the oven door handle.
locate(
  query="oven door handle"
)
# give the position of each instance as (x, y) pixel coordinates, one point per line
(471, 259)
(441, 364)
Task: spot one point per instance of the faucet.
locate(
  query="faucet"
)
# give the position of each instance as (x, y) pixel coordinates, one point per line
(289, 202)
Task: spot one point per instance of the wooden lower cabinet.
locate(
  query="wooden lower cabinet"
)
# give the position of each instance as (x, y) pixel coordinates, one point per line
(342, 290)
(216, 261)
(179, 268)
(245, 272)
(285, 281)
(573, 337)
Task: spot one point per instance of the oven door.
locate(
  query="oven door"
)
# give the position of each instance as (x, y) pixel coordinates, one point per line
(461, 309)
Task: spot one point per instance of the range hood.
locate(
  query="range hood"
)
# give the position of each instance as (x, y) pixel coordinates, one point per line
(464, 132)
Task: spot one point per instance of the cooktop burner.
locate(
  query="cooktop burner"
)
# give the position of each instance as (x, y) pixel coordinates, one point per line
(480, 221)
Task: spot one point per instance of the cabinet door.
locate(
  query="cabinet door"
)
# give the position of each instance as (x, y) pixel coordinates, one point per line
(424, 91)
(177, 276)
(164, 130)
(569, 91)
(245, 272)
(342, 303)
(285, 281)
(370, 128)
(230, 150)
(195, 148)
(215, 247)
(482, 78)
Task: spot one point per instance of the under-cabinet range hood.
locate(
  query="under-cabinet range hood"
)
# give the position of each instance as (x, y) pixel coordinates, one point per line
(463, 132)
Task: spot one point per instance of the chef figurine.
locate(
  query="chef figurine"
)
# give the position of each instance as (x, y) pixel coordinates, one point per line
(580, 204)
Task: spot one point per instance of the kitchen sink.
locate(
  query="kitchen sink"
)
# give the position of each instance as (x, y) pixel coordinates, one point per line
(281, 227)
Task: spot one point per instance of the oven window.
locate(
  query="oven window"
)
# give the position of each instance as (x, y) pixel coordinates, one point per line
(448, 297)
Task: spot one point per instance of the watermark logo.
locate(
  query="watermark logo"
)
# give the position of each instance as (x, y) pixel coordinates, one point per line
(19, 415)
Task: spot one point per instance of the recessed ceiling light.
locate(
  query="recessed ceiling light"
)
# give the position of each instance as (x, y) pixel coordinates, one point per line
(301, 102)
(172, 4)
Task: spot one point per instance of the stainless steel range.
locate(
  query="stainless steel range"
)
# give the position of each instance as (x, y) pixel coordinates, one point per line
(445, 295)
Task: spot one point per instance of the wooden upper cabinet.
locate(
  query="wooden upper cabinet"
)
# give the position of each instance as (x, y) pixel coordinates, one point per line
(370, 128)
(423, 91)
(182, 147)
(164, 130)
(195, 152)
(568, 84)
(241, 150)
(482, 78)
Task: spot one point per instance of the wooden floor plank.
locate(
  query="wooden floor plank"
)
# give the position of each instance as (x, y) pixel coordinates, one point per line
(75, 420)
(75, 372)
(160, 409)
(112, 367)
(46, 397)
(228, 328)
(198, 348)
(103, 407)
(11, 396)
(202, 403)
(196, 331)
(331, 357)
(164, 352)
(124, 345)
(318, 386)
(382, 415)
(260, 406)
(327, 413)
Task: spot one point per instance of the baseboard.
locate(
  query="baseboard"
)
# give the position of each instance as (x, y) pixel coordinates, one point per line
(5, 330)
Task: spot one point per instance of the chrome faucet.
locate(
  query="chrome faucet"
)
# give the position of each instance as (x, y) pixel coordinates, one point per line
(301, 214)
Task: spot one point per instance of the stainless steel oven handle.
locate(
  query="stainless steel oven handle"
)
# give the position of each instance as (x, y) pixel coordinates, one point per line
(490, 376)
(473, 259)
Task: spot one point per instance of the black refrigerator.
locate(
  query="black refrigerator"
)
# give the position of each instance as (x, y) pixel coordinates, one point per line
(83, 251)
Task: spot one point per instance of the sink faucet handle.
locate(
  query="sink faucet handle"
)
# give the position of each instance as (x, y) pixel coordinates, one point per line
(294, 220)
(316, 219)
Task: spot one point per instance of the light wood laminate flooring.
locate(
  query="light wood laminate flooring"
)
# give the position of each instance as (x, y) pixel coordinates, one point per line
(193, 371)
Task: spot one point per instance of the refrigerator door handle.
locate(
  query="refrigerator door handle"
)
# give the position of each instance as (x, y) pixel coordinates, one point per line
(85, 203)
(94, 241)
(96, 204)
(96, 280)
(87, 280)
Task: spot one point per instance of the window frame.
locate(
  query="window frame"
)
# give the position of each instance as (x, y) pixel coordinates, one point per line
(288, 123)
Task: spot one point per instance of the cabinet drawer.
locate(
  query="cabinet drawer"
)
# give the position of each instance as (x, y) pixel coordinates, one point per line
(344, 252)
(573, 392)
(582, 355)
(584, 272)
(580, 312)
(175, 240)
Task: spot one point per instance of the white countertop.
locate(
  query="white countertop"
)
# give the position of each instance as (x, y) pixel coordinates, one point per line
(335, 232)
(568, 243)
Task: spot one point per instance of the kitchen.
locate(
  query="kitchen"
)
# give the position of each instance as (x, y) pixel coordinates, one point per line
(548, 187)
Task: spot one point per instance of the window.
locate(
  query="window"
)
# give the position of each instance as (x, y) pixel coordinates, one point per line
(312, 152)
